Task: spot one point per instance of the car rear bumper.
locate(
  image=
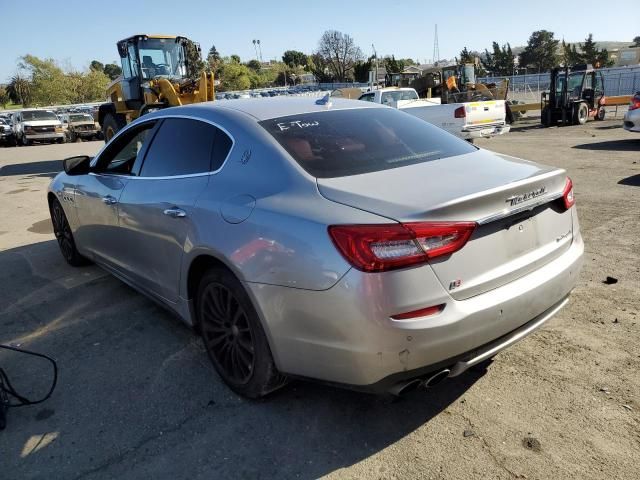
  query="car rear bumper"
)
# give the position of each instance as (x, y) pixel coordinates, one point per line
(346, 334)
(485, 131)
(631, 121)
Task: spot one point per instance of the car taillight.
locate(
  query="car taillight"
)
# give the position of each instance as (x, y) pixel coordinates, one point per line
(459, 112)
(378, 248)
(635, 103)
(567, 194)
(423, 312)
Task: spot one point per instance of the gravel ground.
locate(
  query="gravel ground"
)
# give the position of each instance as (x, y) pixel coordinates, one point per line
(137, 397)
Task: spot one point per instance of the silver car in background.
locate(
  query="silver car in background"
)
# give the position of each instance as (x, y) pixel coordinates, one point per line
(631, 120)
(341, 241)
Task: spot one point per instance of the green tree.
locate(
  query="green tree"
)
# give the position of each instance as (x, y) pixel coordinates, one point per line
(294, 58)
(392, 65)
(466, 56)
(235, 58)
(213, 56)
(540, 52)
(500, 61)
(254, 65)
(19, 90)
(361, 70)
(339, 53)
(96, 65)
(235, 76)
(195, 65)
(570, 55)
(317, 65)
(49, 84)
(591, 54)
(4, 97)
(636, 41)
(112, 71)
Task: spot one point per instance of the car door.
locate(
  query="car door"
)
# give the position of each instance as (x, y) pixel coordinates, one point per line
(97, 194)
(156, 206)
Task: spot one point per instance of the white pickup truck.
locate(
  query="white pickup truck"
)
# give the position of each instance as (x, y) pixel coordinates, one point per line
(465, 120)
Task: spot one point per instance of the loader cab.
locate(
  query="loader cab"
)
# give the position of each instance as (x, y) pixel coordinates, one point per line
(145, 58)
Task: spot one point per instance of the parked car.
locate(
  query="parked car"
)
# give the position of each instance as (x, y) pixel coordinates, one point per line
(7, 138)
(346, 242)
(37, 125)
(80, 125)
(632, 117)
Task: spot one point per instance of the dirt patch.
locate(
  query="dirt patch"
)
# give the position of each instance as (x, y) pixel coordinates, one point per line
(19, 190)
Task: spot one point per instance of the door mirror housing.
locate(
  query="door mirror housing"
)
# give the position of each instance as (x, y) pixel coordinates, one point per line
(79, 165)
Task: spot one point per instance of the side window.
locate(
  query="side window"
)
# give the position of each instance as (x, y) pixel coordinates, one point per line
(120, 156)
(367, 97)
(185, 147)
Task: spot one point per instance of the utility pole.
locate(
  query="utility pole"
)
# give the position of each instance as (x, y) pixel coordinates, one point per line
(260, 49)
(375, 55)
(255, 48)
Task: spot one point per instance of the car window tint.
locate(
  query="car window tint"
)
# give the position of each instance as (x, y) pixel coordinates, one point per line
(361, 140)
(120, 155)
(221, 147)
(181, 147)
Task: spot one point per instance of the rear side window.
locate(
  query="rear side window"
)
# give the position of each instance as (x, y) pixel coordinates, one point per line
(350, 142)
(185, 147)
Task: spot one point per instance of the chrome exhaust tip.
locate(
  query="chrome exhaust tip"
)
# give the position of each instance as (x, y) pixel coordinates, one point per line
(405, 387)
(436, 378)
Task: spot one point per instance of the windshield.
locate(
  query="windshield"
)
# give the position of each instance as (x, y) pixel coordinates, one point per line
(574, 86)
(80, 118)
(161, 57)
(390, 97)
(355, 141)
(38, 115)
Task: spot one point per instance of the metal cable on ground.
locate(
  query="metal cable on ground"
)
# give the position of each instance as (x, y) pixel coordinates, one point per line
(8, 392)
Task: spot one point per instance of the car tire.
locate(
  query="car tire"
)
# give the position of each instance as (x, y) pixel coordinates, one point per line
(64, 236)
(25, 142)
(111, 124)
(601, 114)
(62, 140)
(233, 336)
(72, 137)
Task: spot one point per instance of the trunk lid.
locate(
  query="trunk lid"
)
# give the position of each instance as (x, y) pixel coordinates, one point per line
(483, 113)
(514, 202)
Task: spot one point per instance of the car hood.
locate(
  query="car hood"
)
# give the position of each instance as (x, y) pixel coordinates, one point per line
(88, 122)
(42, 123)
(465, 187)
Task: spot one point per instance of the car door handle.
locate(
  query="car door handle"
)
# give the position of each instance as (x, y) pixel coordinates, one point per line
(109, 200)
(175, 212)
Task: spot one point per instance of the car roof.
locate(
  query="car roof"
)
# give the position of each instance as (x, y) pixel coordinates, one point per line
(275, 107)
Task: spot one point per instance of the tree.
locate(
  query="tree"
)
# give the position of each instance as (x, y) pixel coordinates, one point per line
(4, 97)
(317, 65)
(570, 55)
(340, 53)
(294, 58)
(195, 65)
(213, 57)
(235, 76)
(392, 65)
(19, 90)
(49, 84)
(361, 70)
(591, 54)
(500, 61)
(235, 58)
(466, 56)
(97, 66)
(112, 71)
(636, 41)
(254, 65)
(540, 52)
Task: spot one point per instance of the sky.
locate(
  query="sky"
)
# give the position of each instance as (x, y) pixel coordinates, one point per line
(76, 32)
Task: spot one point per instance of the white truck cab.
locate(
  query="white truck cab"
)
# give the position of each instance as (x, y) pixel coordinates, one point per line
(465, 120)
(37, 125)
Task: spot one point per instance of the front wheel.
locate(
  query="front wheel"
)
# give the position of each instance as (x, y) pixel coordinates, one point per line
(601, 113)
(111, 124)
(64, 236)
(233, 336)
(581, 114)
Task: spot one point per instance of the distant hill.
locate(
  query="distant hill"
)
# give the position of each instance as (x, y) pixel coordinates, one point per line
(608, 45)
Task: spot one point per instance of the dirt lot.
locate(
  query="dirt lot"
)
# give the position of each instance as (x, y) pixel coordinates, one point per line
(137, 397)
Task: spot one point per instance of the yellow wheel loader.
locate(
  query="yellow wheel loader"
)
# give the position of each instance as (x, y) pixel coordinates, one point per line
(157, 72)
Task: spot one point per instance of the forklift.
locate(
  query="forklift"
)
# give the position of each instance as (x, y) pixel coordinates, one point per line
(575, 95)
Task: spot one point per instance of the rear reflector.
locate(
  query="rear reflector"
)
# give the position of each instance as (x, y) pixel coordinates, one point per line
(567, 194)
(378, 248)
(635, 103)
(423, 312)
(459, 112)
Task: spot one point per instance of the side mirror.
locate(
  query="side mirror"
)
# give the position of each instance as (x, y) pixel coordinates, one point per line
(79, 165)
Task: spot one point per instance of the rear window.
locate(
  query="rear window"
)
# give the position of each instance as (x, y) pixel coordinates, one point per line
(351, 142)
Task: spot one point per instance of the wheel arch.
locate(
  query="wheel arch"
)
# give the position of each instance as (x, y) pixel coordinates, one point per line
(104, 109)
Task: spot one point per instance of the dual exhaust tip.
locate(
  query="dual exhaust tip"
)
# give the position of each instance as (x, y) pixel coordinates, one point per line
(410, 385)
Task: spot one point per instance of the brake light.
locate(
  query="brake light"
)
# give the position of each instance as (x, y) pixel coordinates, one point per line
(635, 103)
(378, 248)
(567, 194)
(460, 112)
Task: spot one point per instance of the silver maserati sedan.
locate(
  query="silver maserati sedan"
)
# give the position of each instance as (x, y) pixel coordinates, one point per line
(341, 241)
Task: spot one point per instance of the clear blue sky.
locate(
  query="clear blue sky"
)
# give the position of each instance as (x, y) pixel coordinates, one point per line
(75, 32)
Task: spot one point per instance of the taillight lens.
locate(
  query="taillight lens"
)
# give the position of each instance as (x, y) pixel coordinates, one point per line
(459, 112)
(567, 194)
(423, 312)
(635, 103)
(378, 248)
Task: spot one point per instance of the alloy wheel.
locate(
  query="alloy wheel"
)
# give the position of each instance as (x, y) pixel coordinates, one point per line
(227, 333)
(62, 231)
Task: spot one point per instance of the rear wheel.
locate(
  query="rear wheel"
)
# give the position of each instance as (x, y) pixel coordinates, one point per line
(601, 113)
(25, 141)
(233, 336)
(545, 117)
(64, 236)
(72, 137)
(111, 124)
(581, 114)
